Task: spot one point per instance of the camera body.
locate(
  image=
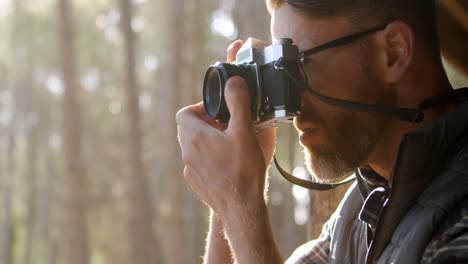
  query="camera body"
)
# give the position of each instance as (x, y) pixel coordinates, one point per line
(275, 98)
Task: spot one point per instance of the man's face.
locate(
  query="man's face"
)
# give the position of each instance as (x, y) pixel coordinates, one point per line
(336, 140)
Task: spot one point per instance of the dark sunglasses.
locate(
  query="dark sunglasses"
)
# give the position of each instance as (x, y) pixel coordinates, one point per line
(338, 42)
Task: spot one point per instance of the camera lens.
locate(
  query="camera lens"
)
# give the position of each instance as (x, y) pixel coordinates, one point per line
(213, 94)
(213, 89)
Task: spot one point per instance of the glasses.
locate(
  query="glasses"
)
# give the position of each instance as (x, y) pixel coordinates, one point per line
(338, 42)
(332, 44)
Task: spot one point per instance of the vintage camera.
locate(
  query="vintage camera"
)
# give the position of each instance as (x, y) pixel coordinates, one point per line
(275, 97)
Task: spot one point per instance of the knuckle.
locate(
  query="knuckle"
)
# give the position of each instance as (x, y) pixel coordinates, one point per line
(188, 156)
(187, 174)
(180, 115)
(190, 151)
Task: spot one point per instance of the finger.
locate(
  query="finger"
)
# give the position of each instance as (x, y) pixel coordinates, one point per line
(191, 178)
(192, 130)
(188, 174)
(190, 148)
(193, 137)
(193, 115)
(237, 97)
(232, 50)
(267, 141)
(189, 116)
(197, 184)
(198, 110)
(267, 137)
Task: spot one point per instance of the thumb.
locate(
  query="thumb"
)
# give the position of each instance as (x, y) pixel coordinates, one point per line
(237, 97)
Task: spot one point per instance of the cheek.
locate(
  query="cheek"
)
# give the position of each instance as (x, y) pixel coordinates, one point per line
(334, 123)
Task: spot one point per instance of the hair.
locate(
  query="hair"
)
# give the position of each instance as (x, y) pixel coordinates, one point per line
(419, 15)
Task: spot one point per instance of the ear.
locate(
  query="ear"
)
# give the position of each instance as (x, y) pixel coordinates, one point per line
(395, 44)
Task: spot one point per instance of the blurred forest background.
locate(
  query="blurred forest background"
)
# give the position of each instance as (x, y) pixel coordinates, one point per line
(90, 167)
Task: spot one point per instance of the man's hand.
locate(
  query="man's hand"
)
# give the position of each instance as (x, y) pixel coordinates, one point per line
(223, 167)
(225, 163)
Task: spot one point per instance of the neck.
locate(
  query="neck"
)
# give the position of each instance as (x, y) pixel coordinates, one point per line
(384, 156)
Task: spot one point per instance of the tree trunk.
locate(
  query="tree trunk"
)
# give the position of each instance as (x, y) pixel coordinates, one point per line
(74, 203)
(47, 202)
(140, 220)
(31, 180)
(33, 127)
(7, 163)
(196, 12)
(6, 218)
(8, 168)
(168, 154)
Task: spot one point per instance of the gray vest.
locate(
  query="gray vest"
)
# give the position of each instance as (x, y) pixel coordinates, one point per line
(429, 180)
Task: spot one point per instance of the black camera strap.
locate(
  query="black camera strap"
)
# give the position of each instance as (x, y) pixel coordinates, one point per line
(405, 114)
(414, 115)
(309, 184)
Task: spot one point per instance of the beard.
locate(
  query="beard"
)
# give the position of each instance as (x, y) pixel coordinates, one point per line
(353, 135)
(351, 144)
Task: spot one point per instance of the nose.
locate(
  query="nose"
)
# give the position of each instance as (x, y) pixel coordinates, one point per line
(302, 111)
(309, 115)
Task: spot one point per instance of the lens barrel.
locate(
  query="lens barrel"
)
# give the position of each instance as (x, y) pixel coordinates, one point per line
(214, 85)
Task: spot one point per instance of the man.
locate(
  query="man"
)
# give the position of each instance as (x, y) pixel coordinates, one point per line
(409, 204)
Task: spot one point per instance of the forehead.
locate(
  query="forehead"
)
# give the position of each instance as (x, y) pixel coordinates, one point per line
(305, 31)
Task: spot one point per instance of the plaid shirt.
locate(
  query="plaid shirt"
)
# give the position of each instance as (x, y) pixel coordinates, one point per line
(314, 252)
(450, 246)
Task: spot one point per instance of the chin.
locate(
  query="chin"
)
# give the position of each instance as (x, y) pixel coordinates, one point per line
(327, 166)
